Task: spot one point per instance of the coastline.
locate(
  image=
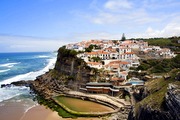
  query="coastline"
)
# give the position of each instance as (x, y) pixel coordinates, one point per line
(16, 101)
(14, 109)
(40, 112)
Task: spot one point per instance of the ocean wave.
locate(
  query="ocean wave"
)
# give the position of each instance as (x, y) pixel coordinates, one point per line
(9, 65)
(43, 56)
(16, 78)
(30, 75)
(1, 71)
(10, 92)
(7, 93)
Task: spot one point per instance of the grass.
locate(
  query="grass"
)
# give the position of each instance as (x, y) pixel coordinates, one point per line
(55, 107)
(159, 42)
(165, 42)
(157, 89)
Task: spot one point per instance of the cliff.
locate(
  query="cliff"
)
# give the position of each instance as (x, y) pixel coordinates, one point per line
(69, 72)
(161, 103)
(68, 64)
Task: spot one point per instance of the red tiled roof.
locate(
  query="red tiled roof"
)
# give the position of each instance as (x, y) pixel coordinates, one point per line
(94, 63)
(117, 79)
(123, 62)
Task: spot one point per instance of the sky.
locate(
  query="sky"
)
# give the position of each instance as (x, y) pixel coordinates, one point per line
(45, 25)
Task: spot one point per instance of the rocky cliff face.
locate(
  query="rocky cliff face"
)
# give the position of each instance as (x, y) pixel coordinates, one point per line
(171, 109)
(173, 101)
(69, 72)
(68, 64)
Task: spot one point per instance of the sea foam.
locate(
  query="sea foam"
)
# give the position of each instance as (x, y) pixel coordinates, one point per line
(10, 92)
(43, 56)
(30, 75)
(2, 71)
(9, 65)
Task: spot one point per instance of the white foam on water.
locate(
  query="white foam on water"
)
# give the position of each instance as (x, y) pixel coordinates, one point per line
(43, 56)
(10, 92)
(30, 75)
(9, 65)
(16, 78)
(2, 71)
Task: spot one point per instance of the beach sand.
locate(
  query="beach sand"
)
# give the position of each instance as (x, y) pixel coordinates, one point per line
(13, 110)
(43, 113)
(40, 113)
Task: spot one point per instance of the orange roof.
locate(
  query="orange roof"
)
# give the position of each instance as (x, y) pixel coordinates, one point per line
(114, 66)
(113, 52)
(123, 62)
(115, 62)
(124, 73)
(91, 53)
(112, 73)
(117, 79)
(94, 63)
(102, 52)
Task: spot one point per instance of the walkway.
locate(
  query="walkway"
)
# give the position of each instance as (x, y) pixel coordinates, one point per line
(117, 102)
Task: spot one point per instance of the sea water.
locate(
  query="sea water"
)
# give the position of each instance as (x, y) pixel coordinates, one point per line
(22, 66)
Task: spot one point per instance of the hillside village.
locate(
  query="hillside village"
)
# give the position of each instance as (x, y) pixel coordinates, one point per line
(116, 57)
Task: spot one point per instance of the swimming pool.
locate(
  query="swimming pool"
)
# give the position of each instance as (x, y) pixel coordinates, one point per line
(139, 82)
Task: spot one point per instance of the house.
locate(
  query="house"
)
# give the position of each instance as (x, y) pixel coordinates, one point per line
(95, 65)
(105, 88)
(117, 81)
(166, 53)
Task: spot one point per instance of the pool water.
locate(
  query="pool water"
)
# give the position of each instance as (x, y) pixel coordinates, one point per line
(80, 105)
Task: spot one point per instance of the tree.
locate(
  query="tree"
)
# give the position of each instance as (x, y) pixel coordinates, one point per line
(123, 37)
(89, 49)
(96, 59)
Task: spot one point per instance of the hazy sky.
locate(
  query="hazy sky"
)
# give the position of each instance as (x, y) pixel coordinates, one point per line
(44, 25)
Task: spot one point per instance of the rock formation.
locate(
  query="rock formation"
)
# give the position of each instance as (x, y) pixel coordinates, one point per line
(171, 109)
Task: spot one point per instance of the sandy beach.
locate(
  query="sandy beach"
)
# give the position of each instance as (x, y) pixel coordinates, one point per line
(15, 110)
(40, 113)
(43, 113)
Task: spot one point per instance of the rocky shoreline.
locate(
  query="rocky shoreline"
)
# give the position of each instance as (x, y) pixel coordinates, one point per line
(46, 90)
(71, 72)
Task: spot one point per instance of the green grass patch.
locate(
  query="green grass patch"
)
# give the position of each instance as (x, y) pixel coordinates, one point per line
(55, 107)
(157, 89)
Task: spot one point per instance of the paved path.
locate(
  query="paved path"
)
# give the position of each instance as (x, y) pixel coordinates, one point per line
(117, 102)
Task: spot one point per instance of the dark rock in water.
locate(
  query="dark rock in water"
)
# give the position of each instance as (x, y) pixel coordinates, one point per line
(5, 85)
(22, 83)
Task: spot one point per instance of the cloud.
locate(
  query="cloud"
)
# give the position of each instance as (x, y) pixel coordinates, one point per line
(117, 4)
(121, 12)
(28, 44)
(95, 35)
(145, 18)
(171, 29)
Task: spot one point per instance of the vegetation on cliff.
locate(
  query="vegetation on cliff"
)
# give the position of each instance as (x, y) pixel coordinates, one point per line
(171, 42)
(157, 88)
(160, 65)
(54, 106)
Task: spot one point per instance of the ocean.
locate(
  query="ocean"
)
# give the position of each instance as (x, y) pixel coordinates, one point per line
(22, 66)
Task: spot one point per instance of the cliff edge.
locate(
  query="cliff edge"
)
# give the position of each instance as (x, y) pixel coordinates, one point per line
(162, 101)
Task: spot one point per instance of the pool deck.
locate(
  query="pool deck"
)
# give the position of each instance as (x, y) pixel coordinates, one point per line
(112, 102)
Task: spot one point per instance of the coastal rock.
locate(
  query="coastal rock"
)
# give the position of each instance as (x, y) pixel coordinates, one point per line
(5, 85)
(172, 105)
(173, 100)
(22, 83)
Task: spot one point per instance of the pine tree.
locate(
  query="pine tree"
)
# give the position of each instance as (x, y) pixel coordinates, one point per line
(123, 37)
